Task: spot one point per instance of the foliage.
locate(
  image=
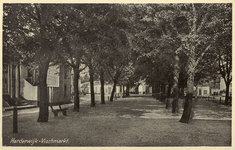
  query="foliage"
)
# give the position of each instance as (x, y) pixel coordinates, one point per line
(131, 42)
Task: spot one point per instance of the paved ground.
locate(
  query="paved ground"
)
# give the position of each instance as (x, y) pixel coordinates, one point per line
(134, 121)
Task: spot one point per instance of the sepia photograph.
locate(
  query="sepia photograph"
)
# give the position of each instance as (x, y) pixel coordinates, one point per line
(110, 75)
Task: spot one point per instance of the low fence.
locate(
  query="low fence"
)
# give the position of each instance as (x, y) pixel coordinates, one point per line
(215, 99)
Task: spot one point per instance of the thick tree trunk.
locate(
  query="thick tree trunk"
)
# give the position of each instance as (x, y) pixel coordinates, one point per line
(91, 72)
(102, 87)
(76, 89)
(175, 108)
(43, 98)
(227, 93)
(114, 88)
(43, 68)
(188, 112)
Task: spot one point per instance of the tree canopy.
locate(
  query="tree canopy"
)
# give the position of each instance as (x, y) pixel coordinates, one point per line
(163, 44)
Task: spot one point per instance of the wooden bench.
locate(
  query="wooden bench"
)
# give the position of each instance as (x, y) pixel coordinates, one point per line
(55, 111)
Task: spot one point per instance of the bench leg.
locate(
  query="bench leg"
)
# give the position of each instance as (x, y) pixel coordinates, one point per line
(55, 113)
(64, 112)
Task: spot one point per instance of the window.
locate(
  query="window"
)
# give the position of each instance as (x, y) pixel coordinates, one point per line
(205, 91)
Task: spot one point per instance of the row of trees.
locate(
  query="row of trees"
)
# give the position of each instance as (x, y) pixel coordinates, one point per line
(73, 34)
(160, 43)
(187, 35)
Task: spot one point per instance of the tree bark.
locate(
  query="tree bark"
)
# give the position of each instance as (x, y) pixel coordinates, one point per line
(168, 95)
(175, 108)
(227, 93)
(114, 88)
(188, 112)
(45, 58)
(91, 72)
(102, 87)
(163, 92)
(154, 91)
(123, 91)
(137, 90)
(127, 89)
(43, 98)
(168, 90)
(76, 89)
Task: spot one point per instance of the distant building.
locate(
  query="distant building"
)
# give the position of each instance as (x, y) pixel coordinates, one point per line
(203, 90)
(85, 87)
(212, 88)
(141, 88)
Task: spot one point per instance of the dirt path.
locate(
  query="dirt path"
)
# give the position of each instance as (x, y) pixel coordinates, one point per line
(137, 121)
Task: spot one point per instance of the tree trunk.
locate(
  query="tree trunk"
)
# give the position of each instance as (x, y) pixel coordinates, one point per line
(43, 68)
(127, 89)
(102, 87)
(175, 108)
(136, 90)
(123, 91)
(160, 92)
(188, 112)
(114, 88)
(168, 94)
(91, 72)
(18, 82)
(43, 98)
(153, 90)
(76, 89)
(227, 93)
(163, 92)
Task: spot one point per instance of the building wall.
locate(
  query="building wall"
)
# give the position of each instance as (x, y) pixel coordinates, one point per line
(203, 91)
(29, 92)
(16, 83)
(11, 80)
(107, 89)
(142, 88)
(213, 91)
